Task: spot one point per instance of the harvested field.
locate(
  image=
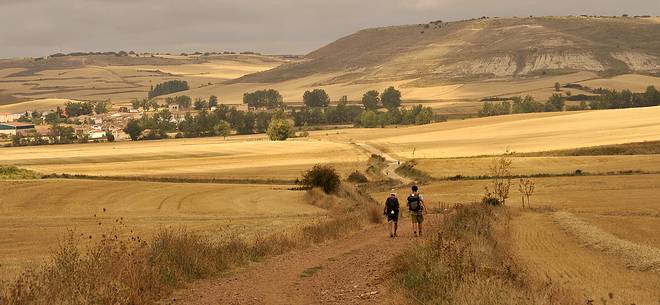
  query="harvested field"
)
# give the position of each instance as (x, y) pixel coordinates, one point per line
(636, 257)
(239, 158)
(471, 167)
(515, 133)
(550, 253)
(34, 214)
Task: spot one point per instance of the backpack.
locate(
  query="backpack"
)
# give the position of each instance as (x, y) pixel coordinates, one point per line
(413, 203)
(392, 204)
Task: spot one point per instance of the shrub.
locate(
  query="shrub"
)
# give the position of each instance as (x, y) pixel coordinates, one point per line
(279, 130)
(357, 177)
(13, 172)
(322, 176)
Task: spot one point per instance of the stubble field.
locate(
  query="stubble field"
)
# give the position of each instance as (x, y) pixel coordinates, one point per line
(622, 209)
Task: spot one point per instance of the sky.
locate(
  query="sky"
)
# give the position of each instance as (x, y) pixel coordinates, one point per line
(43, 27)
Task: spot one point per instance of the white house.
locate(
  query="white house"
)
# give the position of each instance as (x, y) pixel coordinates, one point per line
(6, 117)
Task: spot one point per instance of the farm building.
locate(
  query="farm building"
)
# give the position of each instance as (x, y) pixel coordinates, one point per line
(8, 117)
(15, 127)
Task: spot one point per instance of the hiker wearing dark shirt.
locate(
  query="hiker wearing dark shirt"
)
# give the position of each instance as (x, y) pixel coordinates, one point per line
(416, 208)
(391, 211)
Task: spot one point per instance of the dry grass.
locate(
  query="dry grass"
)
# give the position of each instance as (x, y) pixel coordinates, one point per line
(116, 270)
(35, 213)
(638, 257)
(15, 173)
(466, 262)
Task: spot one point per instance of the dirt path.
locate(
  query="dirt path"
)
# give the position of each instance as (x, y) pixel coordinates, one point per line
(393, 164)
(548, 252)
(353, 270)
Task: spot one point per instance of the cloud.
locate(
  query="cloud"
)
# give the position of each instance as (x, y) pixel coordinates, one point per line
(41, 27)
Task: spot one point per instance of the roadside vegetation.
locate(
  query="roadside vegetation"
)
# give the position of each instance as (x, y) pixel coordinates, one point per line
(117, 269)
(15, 173)
(467, 260)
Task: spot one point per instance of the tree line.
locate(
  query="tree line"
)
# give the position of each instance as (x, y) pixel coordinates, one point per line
(605, 99)
(168, 87)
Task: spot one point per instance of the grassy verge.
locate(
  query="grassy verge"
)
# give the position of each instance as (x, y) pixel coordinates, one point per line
(135, 271)
(408, 170)
(14, 173)
(467, 261)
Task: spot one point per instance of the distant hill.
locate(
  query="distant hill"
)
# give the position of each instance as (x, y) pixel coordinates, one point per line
(440, 53)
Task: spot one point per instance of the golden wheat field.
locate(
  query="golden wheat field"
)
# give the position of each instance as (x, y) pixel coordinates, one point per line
(235, 158)
(592, 235)
(36, 214)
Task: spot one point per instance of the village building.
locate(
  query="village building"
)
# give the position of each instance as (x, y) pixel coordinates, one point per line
(14, 128)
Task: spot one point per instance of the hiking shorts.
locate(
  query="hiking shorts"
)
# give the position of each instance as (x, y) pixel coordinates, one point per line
(417, 217)
(393, 217)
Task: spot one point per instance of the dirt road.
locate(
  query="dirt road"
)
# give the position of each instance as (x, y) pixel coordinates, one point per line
(353, 270)
(392, 163)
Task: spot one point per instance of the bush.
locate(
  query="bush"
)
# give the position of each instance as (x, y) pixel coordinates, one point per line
(322, 176)
(279, 130)
(357, 177)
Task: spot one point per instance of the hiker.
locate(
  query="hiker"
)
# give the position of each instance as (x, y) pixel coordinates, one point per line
(392, 212)
(416, 207)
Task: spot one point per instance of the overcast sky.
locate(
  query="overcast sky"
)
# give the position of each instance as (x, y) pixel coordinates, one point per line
(42, 27)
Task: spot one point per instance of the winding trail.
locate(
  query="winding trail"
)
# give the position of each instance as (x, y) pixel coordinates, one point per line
(393, 164)
(352, 270)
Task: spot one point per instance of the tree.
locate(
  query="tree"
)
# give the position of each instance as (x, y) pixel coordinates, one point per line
(270, 99)
(557, 87)
(183, 101)
(526, 189)
(500, 173)
(323, 176)
(102, 107)
(555, 103)
(279, 130)
(201, 104)
(371, 100)
(213, 101)
(168, 87)
(391, 98)
(61, 134)
(262, 121)
(134, 129)
(222, 128)
(316, 98)
(369, 119)
(425, 116)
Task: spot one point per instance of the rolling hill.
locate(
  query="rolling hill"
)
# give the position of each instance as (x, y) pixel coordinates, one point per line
(438, 52)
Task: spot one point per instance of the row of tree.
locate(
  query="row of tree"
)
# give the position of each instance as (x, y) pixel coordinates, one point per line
(168, 87)
(74, 109)
(606, 99)
(215, 123)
